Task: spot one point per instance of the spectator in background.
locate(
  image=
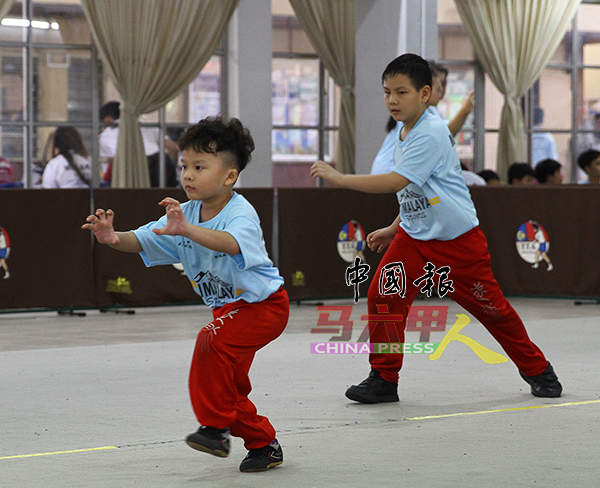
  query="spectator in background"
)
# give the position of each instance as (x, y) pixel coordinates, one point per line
(520, 174)
(438, 91)
(471, 179)
(548, 171)
(543, 145)
(589, 162)
(6, 171)
(384, 161)
(109, 114)
(71, 166)
(490, 177)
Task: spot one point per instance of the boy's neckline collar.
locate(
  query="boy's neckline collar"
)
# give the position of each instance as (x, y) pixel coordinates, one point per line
(423, 115)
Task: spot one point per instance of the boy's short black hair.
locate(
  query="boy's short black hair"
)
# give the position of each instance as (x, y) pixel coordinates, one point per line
(546, 168)
(411, 65)
(217, 135)
(586, 158)
(517, 171)
(110, 109)
(489, 175)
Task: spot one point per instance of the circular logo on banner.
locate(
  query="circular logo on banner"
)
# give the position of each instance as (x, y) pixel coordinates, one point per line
(533, 243)
(351, 241)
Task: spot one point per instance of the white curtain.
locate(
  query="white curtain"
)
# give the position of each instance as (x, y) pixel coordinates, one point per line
(514, 40)
(330, 25)
(152, 50)
(5, 6)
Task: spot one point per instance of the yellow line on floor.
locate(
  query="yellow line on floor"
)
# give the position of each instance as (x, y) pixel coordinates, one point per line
(59, 452)
(501, 410)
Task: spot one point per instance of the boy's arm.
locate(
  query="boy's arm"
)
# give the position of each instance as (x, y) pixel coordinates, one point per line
(177, 225)
(460, 118)
(382, 183)
(101, 224)
(379, 239)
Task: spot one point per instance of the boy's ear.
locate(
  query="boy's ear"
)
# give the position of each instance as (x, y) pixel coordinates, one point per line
(425, 93)
(232, 176)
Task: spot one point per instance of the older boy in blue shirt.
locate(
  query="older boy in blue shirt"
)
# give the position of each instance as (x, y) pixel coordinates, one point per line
(437, 227)
(217, 238)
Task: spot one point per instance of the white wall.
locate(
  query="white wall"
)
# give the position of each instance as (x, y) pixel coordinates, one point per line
(249, 87)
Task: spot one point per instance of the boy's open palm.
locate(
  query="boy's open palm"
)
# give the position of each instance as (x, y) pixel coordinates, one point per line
(101, 224)
(176, 223)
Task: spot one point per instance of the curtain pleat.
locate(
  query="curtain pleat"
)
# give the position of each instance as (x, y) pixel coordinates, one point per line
(5, 6)
(514, 41)
(152, 50)
(331, 27)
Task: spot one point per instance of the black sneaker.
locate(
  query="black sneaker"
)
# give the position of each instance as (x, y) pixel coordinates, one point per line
(545, 384)
(211, 440)
(262, 458)
(373, 390)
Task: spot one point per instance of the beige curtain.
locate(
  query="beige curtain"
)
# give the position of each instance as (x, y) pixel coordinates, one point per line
(514, 40)
(5, 6)
(152, 50)
(331, 28)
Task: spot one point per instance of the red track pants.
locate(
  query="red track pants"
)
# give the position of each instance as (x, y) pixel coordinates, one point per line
(225, 348)
(475, 289)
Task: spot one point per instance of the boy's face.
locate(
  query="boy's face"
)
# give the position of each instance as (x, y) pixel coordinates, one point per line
(438, 89)
(205, 176)
(526, 180)
(593, 169)
(404, 102)
(556, 177)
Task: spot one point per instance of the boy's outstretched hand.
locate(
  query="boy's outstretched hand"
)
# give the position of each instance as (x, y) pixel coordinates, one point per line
(379, 239)
(101, 224)
(176, 224)
(325, 171)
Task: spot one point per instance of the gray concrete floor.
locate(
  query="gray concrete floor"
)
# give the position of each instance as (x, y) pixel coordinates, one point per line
(101, 401)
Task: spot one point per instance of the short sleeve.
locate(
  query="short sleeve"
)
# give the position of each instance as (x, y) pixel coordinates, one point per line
(419, 159)
(157, 249)
(248, 235)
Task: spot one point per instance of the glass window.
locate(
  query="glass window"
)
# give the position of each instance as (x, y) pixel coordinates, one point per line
(305, 102)
(59, 22)
(295, 84)
(204, 94)
(12, 98)
(62, 85)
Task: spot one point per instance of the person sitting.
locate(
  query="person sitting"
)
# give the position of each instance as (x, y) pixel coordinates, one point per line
(471, 178)
(71, 166)
(548, 171)
(109, 114)
(589, 161)
(6, 171)
(490, 177)
(520, 174)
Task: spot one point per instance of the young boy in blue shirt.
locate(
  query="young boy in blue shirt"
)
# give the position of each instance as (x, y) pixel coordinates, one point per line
(217, 237)
(437, 228)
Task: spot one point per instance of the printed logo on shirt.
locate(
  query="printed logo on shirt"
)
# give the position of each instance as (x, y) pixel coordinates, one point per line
(533, 244)
(414, 205)
(212, 289)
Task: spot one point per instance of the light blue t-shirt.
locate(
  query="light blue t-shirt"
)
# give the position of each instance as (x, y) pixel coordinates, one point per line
(384, 161)
(434, 111)
(436, 204)
(217, 277)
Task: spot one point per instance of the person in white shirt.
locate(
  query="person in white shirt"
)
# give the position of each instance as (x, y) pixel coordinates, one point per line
(71, 166)
(109, 114)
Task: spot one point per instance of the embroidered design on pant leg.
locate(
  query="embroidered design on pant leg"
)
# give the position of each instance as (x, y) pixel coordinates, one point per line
(210, 330)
